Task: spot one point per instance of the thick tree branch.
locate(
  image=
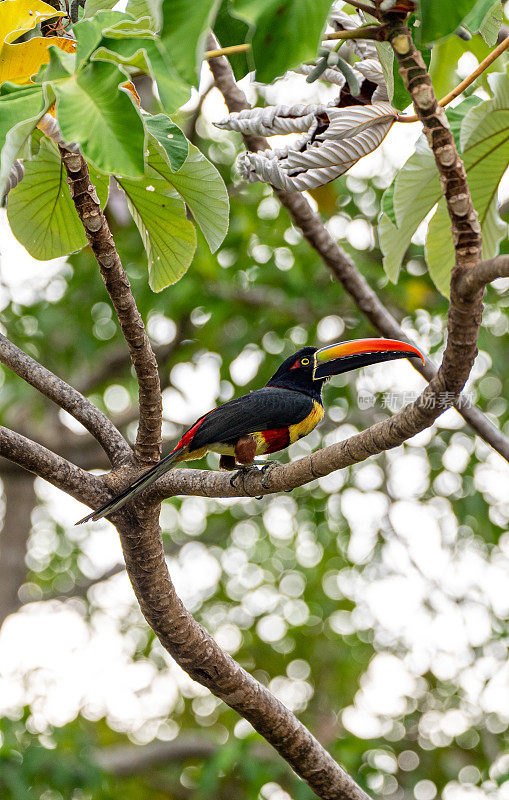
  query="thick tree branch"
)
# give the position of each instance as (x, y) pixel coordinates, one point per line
(202, 658)
(148, 439)
(477, 278)
(340, 263)
(19, 498)
(61, 473)
(97, 423)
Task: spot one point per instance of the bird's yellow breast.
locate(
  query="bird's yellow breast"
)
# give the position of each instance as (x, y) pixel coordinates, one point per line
(307, 424)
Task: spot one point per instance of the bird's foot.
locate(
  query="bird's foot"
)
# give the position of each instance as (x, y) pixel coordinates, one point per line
(241, 474)
(266, 470)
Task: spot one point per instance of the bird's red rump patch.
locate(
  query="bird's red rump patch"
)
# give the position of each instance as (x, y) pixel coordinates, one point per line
(277, 439)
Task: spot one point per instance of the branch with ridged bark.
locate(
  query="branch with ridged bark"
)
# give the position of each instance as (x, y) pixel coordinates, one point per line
(148, 439)
(56, 470)
(341, 264)
(67, 398)
(487, 271)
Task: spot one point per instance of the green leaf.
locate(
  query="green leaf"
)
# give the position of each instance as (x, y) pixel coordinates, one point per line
(412, 195)
(40, 210)
(168, 236)
(92, 7)
(440, 248)
(93, 111)
(20, 111)
(230, 30)
(203, 189)
(183, 34)
(146, 8)
(151, 59)
(491, 24)
(60, 65)
(485, 142)
(284, 32)
(439, 18)
(485, 18)
(170, 137)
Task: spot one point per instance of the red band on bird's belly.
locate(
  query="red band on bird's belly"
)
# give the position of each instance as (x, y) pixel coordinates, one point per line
(276, 439)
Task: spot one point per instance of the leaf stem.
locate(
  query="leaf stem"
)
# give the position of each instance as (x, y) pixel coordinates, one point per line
(466, 82)
(366, 32)
(364, 7)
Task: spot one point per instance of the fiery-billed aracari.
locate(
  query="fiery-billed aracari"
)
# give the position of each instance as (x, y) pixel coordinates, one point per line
(268, 419)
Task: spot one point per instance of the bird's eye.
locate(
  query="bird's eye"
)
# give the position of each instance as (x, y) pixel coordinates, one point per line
(305, 362)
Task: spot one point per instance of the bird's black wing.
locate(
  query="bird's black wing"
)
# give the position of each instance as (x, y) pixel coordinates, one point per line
(261, 410)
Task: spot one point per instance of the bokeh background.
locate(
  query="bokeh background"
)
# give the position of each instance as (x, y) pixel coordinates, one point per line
(373, 602)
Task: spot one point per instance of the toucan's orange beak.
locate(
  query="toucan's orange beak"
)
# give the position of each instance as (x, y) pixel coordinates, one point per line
(345, 356)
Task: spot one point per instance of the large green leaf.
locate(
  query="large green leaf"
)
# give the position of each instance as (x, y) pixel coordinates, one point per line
(284, 32)
(439, 18)
(93, 111)
(203, 189)
(40, 210)
(20, 111)
(92, 7)
(183, 34)
(486, 18)
(230, 30)
(439, 248)
(168, 236)
(484, 137)
(150, 58)
(170, 137)
(412, 195)
(146, 8)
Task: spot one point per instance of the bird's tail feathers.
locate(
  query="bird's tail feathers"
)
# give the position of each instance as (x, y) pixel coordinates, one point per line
(136, 486)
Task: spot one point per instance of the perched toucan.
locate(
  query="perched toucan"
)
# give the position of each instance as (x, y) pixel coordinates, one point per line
(268, 419)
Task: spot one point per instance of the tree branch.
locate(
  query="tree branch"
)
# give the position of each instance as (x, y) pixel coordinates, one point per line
(477, 278)
(148, 440)
(19, 497)
(61, 473)
(341, 264)
(202, 658)
(132, 759)
(97, 423)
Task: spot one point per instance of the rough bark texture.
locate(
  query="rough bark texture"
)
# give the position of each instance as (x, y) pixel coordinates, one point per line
(19, 499)
(148, 439)
(56, 470)
(202, 658)
(97, 423)
(475, 280)
(341, 264)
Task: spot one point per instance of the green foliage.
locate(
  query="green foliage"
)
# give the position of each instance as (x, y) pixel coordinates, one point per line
(40, 210)
(285, 33)
(168, 237)
(171, 139)
(440, 19)
(203, 189)
(183, 33)
(94, 111)
(481, 129)
(20, 111)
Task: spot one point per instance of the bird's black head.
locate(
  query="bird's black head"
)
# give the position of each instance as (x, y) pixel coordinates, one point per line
(308, 369)
(297, 373)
